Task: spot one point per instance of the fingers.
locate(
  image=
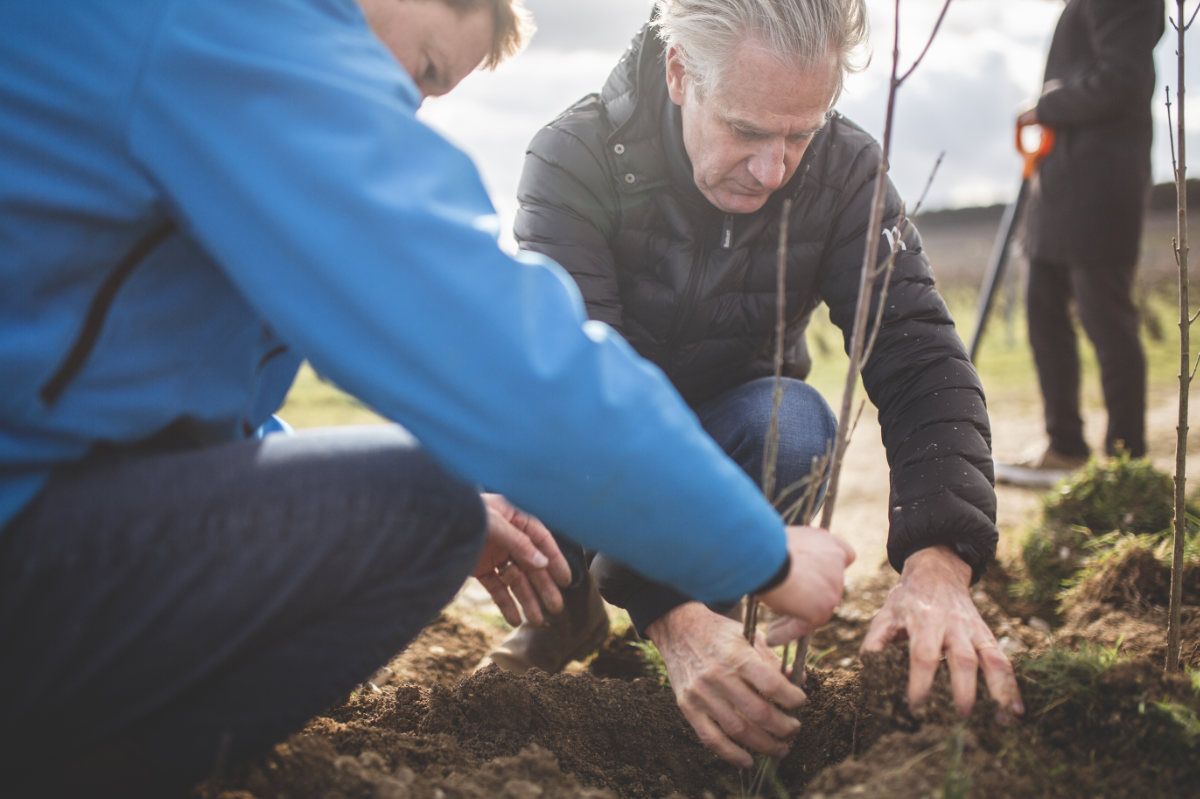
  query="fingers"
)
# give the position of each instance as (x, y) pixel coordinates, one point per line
(882, 630)
(924, 655)
(964, 668)
(744, 731)
(530, 580)
(543, 540)
(547, 591)
(518, 583)
(815, 584)
(999, 676)
(713, 739)
(504, 601)
(520, 549)
(763, 675)
(847, 550)
(785, 629)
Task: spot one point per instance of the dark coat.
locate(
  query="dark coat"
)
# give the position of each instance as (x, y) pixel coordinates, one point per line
(607, 191)
(1089, 197)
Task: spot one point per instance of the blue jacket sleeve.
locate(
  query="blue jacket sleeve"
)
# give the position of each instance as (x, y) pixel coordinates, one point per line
(284, 138)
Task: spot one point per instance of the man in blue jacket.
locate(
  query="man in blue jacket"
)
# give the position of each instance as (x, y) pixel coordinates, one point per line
(196, 196)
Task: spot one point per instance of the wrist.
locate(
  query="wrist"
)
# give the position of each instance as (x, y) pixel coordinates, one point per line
(937, 561)
(674, 622)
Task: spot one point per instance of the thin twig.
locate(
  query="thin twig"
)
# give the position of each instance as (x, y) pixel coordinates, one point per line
(929, 43)
(1170, 133)
(1195, 11)
(771, 450)
(928, 184)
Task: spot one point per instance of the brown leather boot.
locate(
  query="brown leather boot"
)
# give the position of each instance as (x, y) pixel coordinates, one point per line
(571, 635)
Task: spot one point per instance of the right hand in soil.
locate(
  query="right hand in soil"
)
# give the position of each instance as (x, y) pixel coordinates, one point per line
(732, 693)
(813, 588)
(521, 559)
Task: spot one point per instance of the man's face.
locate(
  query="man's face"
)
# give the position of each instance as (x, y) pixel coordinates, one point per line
(746, 134)
(435, 44)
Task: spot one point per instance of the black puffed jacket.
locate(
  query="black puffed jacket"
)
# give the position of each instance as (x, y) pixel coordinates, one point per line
(1088, 199)
(607, 192)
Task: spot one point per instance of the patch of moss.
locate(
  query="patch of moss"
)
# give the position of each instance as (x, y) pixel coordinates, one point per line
(1050, 554)
(1121, 493)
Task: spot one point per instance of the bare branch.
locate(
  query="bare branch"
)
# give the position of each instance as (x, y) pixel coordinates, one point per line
(1196, 366)
(1192, 19)
(1171, 130)
(771, 450)
(928, 183)
(929, 43)
(1194, 317)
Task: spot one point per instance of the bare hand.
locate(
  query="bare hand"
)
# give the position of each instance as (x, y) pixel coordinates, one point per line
(521, 559)
(932, 606)
(813, 588)
(730, 692)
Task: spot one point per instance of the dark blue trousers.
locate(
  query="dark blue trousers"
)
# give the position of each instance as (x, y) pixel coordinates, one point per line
(163, 614)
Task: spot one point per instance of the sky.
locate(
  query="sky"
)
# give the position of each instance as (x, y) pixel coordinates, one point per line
(984, 67)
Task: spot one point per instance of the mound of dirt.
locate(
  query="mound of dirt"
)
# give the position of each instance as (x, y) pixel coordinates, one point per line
(1121, 602)
(1096, 725)
(444, 651)
(1091, 729)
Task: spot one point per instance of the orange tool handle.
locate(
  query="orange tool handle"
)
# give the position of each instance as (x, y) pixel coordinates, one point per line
(1034, 158)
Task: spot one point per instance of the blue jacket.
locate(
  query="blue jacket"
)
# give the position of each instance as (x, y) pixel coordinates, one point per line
(259, 169)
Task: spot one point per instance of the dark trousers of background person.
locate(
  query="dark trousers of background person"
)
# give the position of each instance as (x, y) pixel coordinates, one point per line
(163, 615)
(1102, 293)
(738, 420)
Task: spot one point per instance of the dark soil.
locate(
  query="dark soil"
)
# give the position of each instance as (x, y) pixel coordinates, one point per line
(1113, 729)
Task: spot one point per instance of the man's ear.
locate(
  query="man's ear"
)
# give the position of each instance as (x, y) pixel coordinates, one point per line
(676, 75)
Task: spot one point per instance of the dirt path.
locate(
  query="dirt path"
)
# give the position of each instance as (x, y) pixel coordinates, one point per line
(861, 516)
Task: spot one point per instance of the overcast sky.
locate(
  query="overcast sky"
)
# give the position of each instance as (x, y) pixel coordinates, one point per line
(984, 67)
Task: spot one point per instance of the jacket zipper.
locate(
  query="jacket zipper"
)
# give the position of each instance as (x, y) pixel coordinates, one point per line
(684, 312)
(97, 312)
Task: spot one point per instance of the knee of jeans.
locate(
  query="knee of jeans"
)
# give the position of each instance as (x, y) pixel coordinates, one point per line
(438, 519)
(807, 427)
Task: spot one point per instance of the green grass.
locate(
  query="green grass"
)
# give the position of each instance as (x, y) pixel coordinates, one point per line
(1073, 678)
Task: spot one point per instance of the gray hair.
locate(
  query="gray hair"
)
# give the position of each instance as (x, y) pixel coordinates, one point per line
(707, 33)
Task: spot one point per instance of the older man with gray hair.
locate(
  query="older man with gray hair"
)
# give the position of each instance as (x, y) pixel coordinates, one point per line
(662, 196)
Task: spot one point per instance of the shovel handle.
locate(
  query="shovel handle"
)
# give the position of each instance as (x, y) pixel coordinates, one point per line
(1034, 158)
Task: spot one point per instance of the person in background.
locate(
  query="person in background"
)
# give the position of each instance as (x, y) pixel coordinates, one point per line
(661, 196)
(1083, 226)
(198, 195)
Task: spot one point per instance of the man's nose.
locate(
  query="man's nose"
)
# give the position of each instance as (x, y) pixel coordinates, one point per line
(767, 165)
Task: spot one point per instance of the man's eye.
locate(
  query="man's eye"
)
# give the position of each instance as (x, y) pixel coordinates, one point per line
(749, 135)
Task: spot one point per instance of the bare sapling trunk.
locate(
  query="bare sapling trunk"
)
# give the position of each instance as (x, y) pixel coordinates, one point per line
(861, 342)
(1187, 371)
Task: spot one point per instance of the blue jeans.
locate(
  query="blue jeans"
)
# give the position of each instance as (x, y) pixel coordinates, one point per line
(166, 613)
(738, 421)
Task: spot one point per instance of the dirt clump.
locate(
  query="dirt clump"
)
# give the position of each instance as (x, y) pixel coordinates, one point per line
(1120, 600)
(1096, 725)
